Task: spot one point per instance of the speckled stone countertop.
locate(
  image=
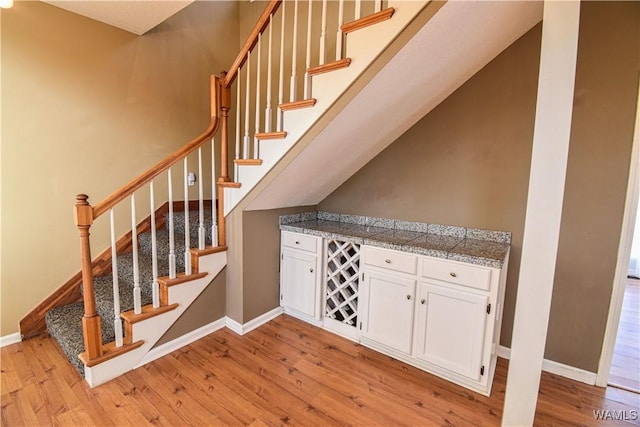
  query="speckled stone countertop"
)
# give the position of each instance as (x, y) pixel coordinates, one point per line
(475, 246)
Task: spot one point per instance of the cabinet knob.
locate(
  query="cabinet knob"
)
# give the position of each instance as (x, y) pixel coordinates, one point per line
(452, 274)
(408, 296)
(388, 261)
(297, 242)
(422, 301)
(311, 270)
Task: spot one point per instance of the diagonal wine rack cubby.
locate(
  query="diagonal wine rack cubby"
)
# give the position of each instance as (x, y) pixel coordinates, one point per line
(343, 266)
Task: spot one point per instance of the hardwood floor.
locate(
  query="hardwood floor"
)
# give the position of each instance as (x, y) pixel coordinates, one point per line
(625, 366)
(285, 372)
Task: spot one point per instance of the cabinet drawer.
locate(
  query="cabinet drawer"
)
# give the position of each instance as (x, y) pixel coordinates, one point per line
(300, 241)
(391, 260)
(462, 274)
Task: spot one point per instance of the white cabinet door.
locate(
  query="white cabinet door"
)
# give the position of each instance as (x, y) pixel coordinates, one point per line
(386, 306)
(450, 328)
(298, 281)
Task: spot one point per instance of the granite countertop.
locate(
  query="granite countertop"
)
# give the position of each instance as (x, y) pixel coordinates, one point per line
(475, 246)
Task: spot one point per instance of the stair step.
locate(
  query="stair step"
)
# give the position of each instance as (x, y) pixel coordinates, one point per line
(271, 135)
(229, 184)
(331, 66)
(295, 105)
(194, 222)
(64, 324)
(248, 162)
(375, 18)
(147, 312)
(109, 352)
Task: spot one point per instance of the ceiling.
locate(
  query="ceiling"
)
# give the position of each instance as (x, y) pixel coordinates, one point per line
(135, 16)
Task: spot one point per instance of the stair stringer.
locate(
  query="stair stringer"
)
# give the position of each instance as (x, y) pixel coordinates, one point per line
(152, 329)
(363, 47)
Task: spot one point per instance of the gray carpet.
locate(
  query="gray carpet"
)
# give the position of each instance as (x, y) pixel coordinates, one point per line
(64, 323)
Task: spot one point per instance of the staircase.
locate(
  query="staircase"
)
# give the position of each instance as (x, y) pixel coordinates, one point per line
(64, 322)
(161, 264)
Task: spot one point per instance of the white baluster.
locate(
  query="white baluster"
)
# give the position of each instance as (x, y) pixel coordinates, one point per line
(117, 322)
(307, 86)
(187, 242)
(214, 228)
(258, 76)
(137, 299)
(281, 74)
(294, 67)
(155, 289)
(323, 33)
(247, 141)
(339, 33)
(358, 12)
(172, 243)
(267, 111)
(378, 5)
(201, 231)
(236, 168)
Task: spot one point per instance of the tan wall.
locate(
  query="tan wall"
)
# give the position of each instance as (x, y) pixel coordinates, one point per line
(85, 108)
(261, 253)
(207, 308)
(467, 163)
(601, 134)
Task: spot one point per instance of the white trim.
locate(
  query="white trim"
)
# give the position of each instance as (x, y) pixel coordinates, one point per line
(261, 320)
(557, 368)
(254, 323)
(624, 254)
(10, 339)
(233, 325)
(173, 345)
(549, 156)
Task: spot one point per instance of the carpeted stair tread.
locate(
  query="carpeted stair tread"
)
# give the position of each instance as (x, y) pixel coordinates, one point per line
(64, 323)
(194, 223)
(104, 298)
(145, 272)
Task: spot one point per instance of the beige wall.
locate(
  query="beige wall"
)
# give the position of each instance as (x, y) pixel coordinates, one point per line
(599, 154)
(85, 108)
(467, 163)
(207, 308)
(261, 254)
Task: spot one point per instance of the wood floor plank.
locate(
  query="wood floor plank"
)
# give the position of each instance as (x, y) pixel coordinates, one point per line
(285, 372)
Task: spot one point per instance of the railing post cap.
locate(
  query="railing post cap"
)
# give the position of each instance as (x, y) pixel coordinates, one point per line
(81, 199)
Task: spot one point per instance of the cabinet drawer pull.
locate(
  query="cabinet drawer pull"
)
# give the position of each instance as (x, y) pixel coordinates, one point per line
(388, 261)
(297, 242)
(422, 301)
(452, 274)
(311, 270)
(408, 296)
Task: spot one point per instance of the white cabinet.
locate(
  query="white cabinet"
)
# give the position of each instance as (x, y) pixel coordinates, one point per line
(436, 314)
(450, 329)
(386, 309)
(300, 275)
(439, 315)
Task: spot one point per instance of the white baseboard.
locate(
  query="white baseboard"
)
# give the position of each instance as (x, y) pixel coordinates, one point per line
(556, 368)
(254, 323)
(10, 339)
(173, 345)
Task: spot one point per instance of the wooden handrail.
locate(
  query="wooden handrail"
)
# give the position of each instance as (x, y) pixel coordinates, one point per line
(251, 41)
(165, 164)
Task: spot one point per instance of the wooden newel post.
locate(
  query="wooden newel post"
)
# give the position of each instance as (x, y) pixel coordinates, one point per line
(83, 216)
(225, 106)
